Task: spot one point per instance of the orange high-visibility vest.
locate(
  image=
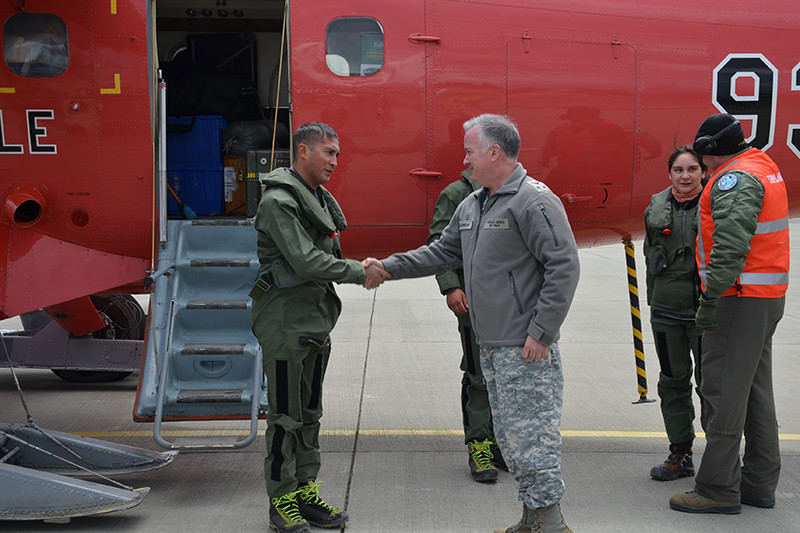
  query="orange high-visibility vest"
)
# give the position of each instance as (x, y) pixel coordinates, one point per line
(766, 272)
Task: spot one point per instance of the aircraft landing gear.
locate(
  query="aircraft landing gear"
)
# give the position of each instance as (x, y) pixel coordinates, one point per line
(125, 319)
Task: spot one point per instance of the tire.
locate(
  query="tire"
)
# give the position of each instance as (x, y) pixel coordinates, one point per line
(125, 319)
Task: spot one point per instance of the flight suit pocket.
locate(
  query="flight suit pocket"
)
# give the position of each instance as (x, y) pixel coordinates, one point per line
(723, 205)
(657, 259)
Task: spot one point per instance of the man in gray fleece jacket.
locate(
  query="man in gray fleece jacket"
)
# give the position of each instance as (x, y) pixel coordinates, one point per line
(520, 262)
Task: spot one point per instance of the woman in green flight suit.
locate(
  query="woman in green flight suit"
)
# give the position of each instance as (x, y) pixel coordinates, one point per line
(673, 289)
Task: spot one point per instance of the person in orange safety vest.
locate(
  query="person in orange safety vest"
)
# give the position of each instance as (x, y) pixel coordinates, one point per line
(743, 262)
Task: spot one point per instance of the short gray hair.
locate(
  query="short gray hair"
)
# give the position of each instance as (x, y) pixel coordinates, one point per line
(496, 129)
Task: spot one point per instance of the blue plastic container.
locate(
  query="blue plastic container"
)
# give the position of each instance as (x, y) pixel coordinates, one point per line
(199, 188)
(195, 141)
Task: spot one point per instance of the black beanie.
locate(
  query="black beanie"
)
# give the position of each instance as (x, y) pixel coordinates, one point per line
(731, 142)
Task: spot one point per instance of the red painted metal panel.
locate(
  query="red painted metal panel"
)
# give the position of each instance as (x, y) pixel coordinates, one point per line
(574, 103)
(535, 60)
(51, 271)
(95, 230)
(380, 120)
(78, 316)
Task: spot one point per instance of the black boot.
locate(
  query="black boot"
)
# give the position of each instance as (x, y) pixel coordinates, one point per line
(678, 464)
(497, 457)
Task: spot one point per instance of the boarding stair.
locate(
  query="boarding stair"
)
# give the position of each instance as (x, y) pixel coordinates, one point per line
(202, 361)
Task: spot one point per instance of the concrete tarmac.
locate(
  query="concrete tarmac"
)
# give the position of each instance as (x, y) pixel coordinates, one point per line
(392, 441)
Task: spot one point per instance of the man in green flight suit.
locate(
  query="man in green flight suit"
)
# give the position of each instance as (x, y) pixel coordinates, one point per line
(484, 453)
(743, 256)
(295, 307)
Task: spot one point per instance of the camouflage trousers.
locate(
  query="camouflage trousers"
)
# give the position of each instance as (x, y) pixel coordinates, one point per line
(526, 397)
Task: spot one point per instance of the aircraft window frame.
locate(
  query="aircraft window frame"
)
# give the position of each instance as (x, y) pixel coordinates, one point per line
(354, 46)
(36, 45)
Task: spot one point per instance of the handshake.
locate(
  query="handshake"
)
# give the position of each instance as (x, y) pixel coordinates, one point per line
(375, 273)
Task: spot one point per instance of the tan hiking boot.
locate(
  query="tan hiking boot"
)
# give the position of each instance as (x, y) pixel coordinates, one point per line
(692, 502)
(540, 520)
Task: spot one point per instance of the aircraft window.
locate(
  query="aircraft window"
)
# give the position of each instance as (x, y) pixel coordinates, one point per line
(354, 46)
(35, 45)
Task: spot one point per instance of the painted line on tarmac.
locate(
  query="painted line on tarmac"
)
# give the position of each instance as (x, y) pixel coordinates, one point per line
(567, 433)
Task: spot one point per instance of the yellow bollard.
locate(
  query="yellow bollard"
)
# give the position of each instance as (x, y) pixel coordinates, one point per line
(636, 321)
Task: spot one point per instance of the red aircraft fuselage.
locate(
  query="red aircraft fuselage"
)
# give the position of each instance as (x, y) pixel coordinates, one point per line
(602, 93)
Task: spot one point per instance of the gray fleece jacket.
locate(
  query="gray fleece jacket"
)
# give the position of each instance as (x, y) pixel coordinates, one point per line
(519, 257)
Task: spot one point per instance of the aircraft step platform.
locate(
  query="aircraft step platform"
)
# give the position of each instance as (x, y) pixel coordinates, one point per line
(202, 362)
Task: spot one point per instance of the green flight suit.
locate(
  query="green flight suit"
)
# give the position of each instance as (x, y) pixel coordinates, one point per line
(673, 288)
(295, 307)
(737, 355)
(475, 409)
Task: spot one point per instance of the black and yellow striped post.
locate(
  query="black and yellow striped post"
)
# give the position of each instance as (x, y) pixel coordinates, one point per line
(636, 321)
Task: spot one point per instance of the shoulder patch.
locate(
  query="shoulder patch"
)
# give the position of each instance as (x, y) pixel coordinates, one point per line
(727, 182)
(538, 185)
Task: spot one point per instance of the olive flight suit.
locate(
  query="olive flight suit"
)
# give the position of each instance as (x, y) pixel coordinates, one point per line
(673, 289)
(475, 409)
(295, 307)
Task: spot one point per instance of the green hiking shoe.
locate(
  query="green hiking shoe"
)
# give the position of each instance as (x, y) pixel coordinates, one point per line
(480, 461)
(497, 457)
(284, 514)
(316, 511)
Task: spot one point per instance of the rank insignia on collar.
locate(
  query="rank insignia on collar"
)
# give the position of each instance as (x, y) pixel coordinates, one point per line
(727, 182)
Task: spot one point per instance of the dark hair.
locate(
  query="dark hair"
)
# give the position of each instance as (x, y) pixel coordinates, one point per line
(496, 129)
(686, 149)
(310, 134)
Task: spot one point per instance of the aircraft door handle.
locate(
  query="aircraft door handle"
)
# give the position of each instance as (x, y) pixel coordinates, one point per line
(422, 173)
(570, 198)
(418, 38)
